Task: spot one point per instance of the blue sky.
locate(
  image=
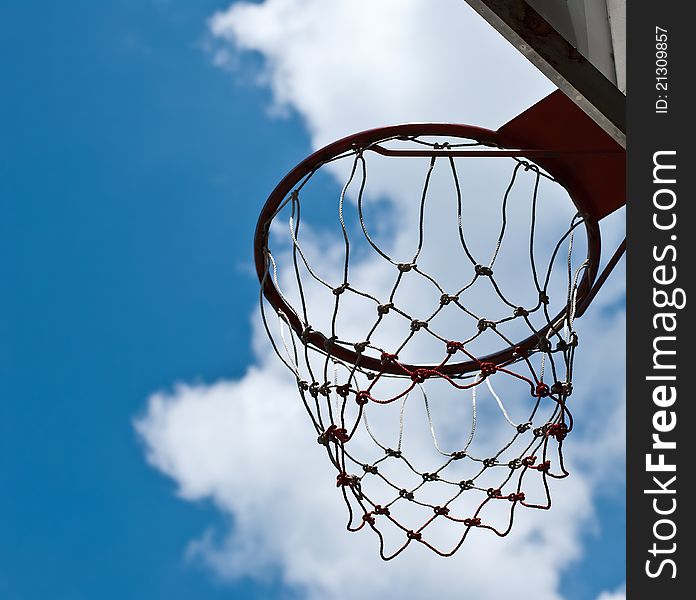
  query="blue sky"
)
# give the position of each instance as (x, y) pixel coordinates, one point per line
(131, 174)
(126, 232)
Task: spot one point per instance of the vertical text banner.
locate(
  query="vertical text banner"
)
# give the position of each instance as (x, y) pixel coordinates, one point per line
(661, 352)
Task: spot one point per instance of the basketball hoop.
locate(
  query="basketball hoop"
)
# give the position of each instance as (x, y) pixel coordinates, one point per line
(526, 348)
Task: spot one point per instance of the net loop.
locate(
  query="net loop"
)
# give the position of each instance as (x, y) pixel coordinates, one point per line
(472, 522)
(386, 357)
(542, 390)
(334, 433)
(362, 397)
(453, 347)
(445, 299)
(383, 309)
(488, 368)
(558, 431)
(343, 479)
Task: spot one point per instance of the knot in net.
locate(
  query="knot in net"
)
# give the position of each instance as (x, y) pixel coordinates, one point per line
(427, 315)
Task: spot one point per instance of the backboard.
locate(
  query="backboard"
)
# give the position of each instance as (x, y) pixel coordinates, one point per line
(580, 45)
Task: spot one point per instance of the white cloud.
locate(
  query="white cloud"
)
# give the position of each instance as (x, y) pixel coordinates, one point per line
(618, 594)
(248, 445)
(347, 66)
